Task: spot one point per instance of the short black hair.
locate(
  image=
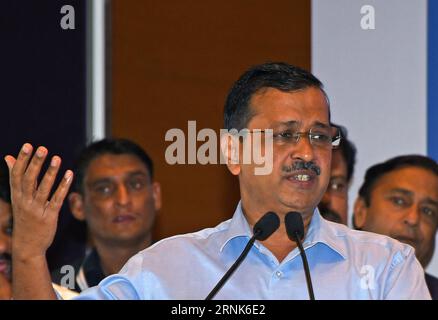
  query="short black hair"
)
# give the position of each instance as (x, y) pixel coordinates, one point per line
(107, 146)
(375, 172)
(348, 150)
(278, 75)
(5, 189)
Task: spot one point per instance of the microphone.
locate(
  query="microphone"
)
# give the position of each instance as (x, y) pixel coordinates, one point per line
(295, 231)
(262, 230)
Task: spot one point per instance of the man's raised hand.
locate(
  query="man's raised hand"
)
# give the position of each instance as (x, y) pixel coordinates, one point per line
(35, 215)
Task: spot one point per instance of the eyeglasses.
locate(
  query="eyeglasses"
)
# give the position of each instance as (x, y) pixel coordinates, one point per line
(320, 137)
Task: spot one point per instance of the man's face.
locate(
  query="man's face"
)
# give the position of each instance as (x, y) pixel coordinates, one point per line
(334, 203)
(286, 188)
(5, 238)
(404, 206)
(120, 201)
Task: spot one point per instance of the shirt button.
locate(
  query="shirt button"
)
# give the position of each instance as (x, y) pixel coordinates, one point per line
(279, 274)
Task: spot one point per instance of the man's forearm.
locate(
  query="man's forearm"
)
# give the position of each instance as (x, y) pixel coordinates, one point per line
(31, 279)
(35, 220)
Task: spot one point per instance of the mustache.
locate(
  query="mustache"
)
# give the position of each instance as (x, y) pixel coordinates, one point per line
(303, 165)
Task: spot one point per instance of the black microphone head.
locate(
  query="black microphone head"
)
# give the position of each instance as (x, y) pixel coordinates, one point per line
(294, 225)
(266, 226)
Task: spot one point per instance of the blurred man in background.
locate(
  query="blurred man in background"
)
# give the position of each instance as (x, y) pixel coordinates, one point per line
(334, 203)
(115, 194)
(5, 234)
(399, 198)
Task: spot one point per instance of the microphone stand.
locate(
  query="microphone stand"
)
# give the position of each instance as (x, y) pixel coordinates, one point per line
(262, 230)
(233, 267)
(305, 265)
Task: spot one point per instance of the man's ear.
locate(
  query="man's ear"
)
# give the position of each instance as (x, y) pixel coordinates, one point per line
(156, 193)
(360, 213)
(77, 205)
(230, 152)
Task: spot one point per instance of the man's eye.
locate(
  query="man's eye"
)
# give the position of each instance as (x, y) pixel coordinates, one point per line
(104, 190)
(398, 201)
(338, 186)
(320, 137)
(429, 212)
(284, 135)
(137, 184)
(8, 231)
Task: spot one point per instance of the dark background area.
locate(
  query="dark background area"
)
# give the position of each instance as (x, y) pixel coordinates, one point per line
(43, 94)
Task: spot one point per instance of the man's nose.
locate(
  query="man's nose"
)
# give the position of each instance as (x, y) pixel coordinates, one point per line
(303, 149)
(412, 216)
(122, 196)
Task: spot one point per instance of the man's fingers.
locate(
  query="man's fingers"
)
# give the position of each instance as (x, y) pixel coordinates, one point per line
(19, 167)
(10, 161)
(43, 191)
(32, 172)
(60, 193)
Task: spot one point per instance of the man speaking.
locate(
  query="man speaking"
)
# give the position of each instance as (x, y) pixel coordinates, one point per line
(343, 263)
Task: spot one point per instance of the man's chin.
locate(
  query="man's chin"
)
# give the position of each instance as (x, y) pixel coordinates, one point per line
(298, 204)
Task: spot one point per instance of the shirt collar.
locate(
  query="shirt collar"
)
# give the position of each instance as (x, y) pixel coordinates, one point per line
(324, 232)
(239, 227)
(320, 231)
